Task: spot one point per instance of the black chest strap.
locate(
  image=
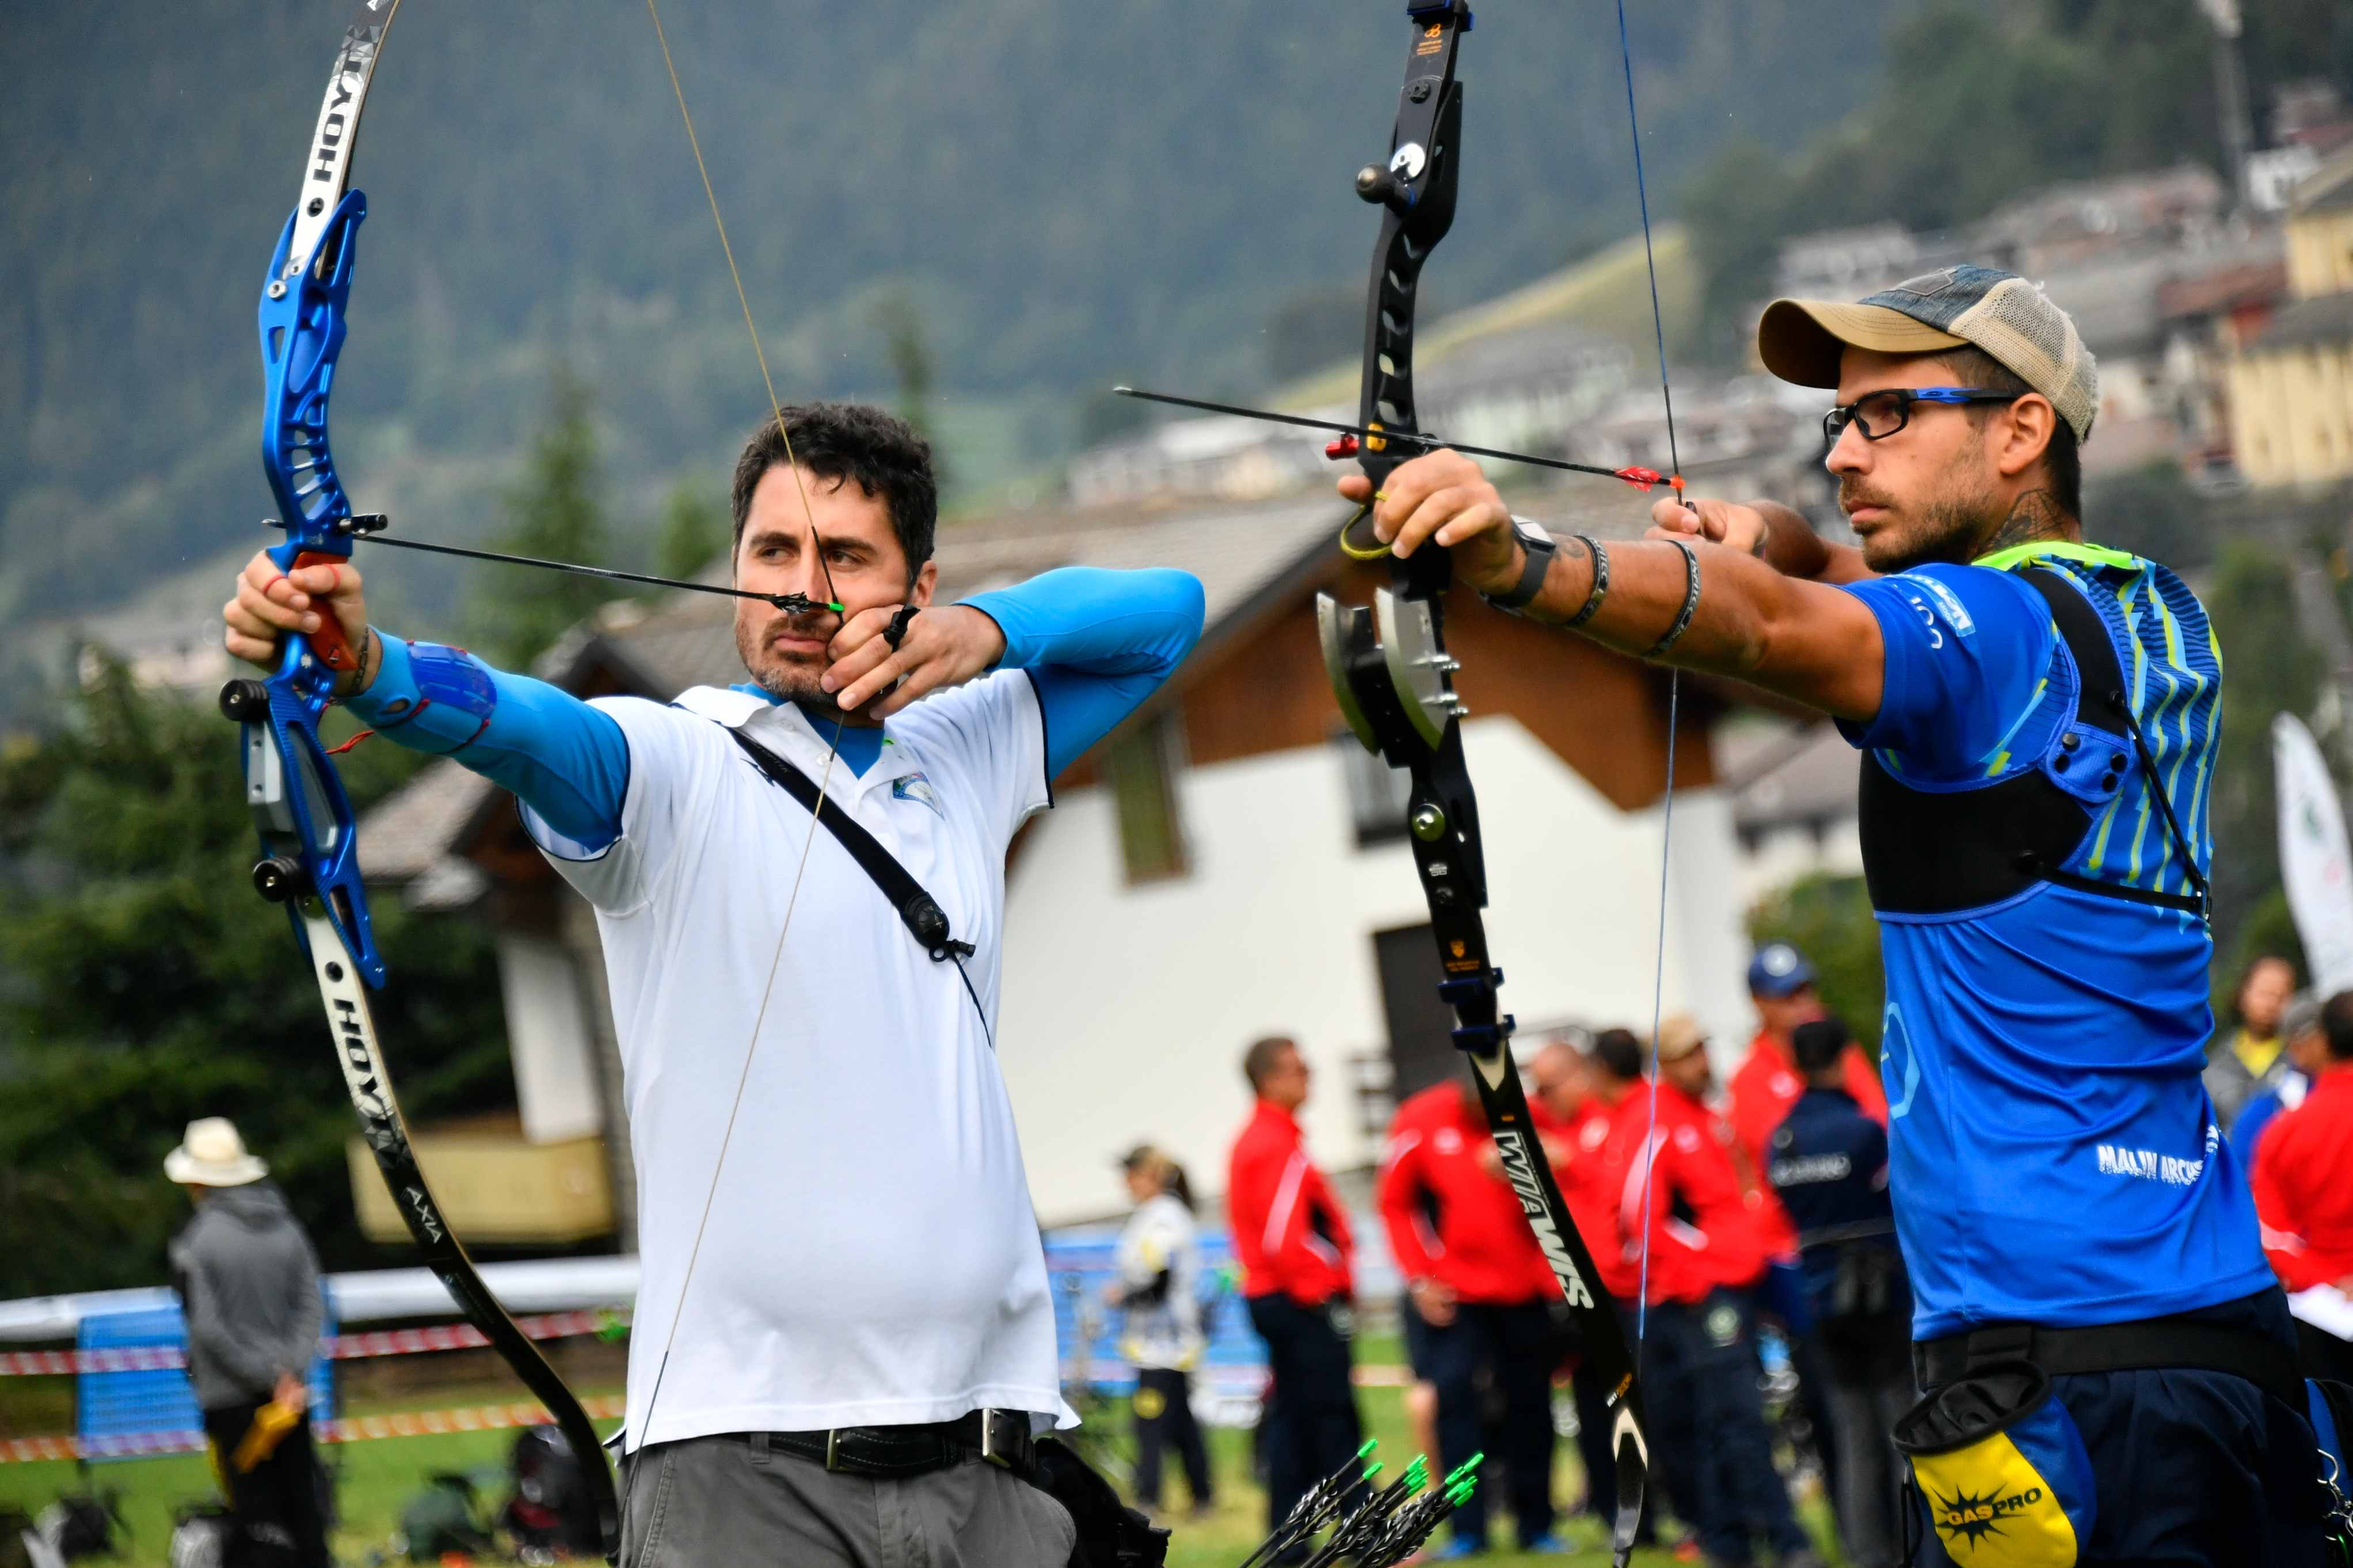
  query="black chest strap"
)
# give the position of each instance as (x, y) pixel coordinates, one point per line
(918, 910)
(1943, 851)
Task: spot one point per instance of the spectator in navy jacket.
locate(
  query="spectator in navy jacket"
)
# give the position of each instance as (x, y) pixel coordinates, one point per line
(1829, 1163)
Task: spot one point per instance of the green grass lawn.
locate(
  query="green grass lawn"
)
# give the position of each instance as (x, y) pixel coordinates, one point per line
(377, 1478)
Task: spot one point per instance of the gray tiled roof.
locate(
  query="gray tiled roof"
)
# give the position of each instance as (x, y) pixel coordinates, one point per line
(2306, 323)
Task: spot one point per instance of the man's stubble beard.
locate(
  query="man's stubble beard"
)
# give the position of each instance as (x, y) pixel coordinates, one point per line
(1949, 524)
(781, 677)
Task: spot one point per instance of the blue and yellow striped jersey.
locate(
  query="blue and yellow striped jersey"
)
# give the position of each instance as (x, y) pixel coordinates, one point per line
(2053, 1155)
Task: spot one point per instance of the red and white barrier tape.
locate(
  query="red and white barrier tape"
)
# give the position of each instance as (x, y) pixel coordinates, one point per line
(340, 1347)
(359, 1430)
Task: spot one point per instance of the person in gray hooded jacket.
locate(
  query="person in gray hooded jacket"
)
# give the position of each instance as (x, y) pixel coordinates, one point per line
(248, 1285)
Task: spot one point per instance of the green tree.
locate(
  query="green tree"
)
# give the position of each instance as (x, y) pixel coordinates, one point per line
(694, 533)
(1828, 919)
(554, 512)
(149, 986)
(2268, 667)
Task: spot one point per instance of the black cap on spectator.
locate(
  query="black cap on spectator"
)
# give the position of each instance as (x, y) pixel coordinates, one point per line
(1620, 1053)
(1819, 1044)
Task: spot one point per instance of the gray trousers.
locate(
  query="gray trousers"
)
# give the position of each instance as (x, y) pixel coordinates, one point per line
(1868, 1388)
(734, 1502)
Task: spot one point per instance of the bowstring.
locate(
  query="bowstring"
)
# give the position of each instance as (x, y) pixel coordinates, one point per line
(1675, 694)
(833, 747)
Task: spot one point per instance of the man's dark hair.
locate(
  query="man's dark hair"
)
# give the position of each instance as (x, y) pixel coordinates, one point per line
(879, 453)
(2063, 459)
(1259, 1061)
(1818, 1045)
(1620, 1052)
(2336, 1023)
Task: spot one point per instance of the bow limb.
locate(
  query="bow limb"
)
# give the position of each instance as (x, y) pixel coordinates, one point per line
(309, 832)
(1393, 679)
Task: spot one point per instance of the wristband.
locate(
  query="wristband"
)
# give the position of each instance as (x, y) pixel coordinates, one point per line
(1600, 583)
(1537, 548)
(1691, 601)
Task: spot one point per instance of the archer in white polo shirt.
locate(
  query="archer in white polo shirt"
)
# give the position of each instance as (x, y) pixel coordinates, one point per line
(840, 1261)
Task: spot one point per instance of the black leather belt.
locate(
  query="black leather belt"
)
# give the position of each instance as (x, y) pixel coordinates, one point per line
(888, 1453)
(2151, 1344)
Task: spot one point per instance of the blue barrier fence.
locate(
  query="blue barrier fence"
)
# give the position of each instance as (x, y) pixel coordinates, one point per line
(1077, 1266)
(120, 1414)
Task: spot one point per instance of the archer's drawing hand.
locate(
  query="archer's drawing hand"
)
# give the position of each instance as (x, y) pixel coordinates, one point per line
(271, 603)
(1444, 498)
(944, 646)
(1717, 522)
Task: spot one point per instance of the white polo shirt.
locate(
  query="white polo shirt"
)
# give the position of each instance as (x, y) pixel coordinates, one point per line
(871, 1257)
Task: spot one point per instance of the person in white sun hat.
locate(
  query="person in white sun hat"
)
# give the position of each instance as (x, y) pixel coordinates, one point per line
(248, 1285)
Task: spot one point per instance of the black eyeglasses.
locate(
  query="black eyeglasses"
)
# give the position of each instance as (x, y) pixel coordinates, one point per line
(1880, 415)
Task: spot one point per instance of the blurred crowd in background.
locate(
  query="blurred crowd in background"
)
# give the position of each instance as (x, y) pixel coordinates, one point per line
(1769, 1298)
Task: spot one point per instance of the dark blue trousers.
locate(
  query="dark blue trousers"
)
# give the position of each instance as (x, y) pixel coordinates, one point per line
(1510, 1349)
(1703, 1369)
(1310, 1426)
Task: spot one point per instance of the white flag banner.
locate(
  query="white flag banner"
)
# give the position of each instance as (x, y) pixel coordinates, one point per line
(2314, 861)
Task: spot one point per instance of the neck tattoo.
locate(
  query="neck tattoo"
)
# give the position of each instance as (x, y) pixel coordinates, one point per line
(2035, 517)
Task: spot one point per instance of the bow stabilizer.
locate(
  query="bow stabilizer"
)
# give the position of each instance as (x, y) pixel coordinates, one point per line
(308, 834)
(1394, 681)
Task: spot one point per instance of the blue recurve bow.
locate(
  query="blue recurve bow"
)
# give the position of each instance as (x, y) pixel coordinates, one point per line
(310, 859)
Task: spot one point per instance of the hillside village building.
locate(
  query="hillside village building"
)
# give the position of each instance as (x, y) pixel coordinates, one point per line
(2292, 385)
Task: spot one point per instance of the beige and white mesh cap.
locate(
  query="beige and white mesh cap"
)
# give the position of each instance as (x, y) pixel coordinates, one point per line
(2012, 320)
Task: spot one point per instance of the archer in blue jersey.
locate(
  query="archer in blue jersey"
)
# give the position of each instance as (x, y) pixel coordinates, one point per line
(2037, 717)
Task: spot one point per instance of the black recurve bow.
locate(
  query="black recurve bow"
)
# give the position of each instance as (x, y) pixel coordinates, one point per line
(1394, 682)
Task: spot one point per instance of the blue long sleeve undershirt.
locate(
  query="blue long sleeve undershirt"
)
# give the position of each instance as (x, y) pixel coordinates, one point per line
(1096, 643)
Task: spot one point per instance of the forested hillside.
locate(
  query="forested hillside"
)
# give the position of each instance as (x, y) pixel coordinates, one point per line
(1035, 197)
(1055, 193)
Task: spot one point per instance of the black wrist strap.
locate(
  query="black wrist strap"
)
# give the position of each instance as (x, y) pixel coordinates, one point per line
(918, 910)
(1536, 549)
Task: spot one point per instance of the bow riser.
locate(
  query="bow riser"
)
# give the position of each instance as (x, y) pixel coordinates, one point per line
(303, 330)
(1417, 191)
(309, 841)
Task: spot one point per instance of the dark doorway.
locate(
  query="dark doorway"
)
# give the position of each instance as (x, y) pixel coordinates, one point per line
(1421, 1027)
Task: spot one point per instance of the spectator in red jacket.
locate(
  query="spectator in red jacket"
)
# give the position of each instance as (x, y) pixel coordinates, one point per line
(1576, 1099)
(2303, 1196)
(1576, 1106)
(1682, 1194)
(1291, 1239)
(1476, 1287)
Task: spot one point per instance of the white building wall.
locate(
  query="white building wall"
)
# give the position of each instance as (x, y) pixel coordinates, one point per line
(1125, 1010)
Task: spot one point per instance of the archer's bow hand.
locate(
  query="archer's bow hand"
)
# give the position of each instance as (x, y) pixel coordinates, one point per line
(271, 603)
(1444, 499)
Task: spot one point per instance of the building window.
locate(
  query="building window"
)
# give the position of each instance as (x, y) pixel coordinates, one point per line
(1143, 766)
(1377, 793)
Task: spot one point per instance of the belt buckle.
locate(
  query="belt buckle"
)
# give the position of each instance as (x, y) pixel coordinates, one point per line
(832, 1448)
(988, 1450)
